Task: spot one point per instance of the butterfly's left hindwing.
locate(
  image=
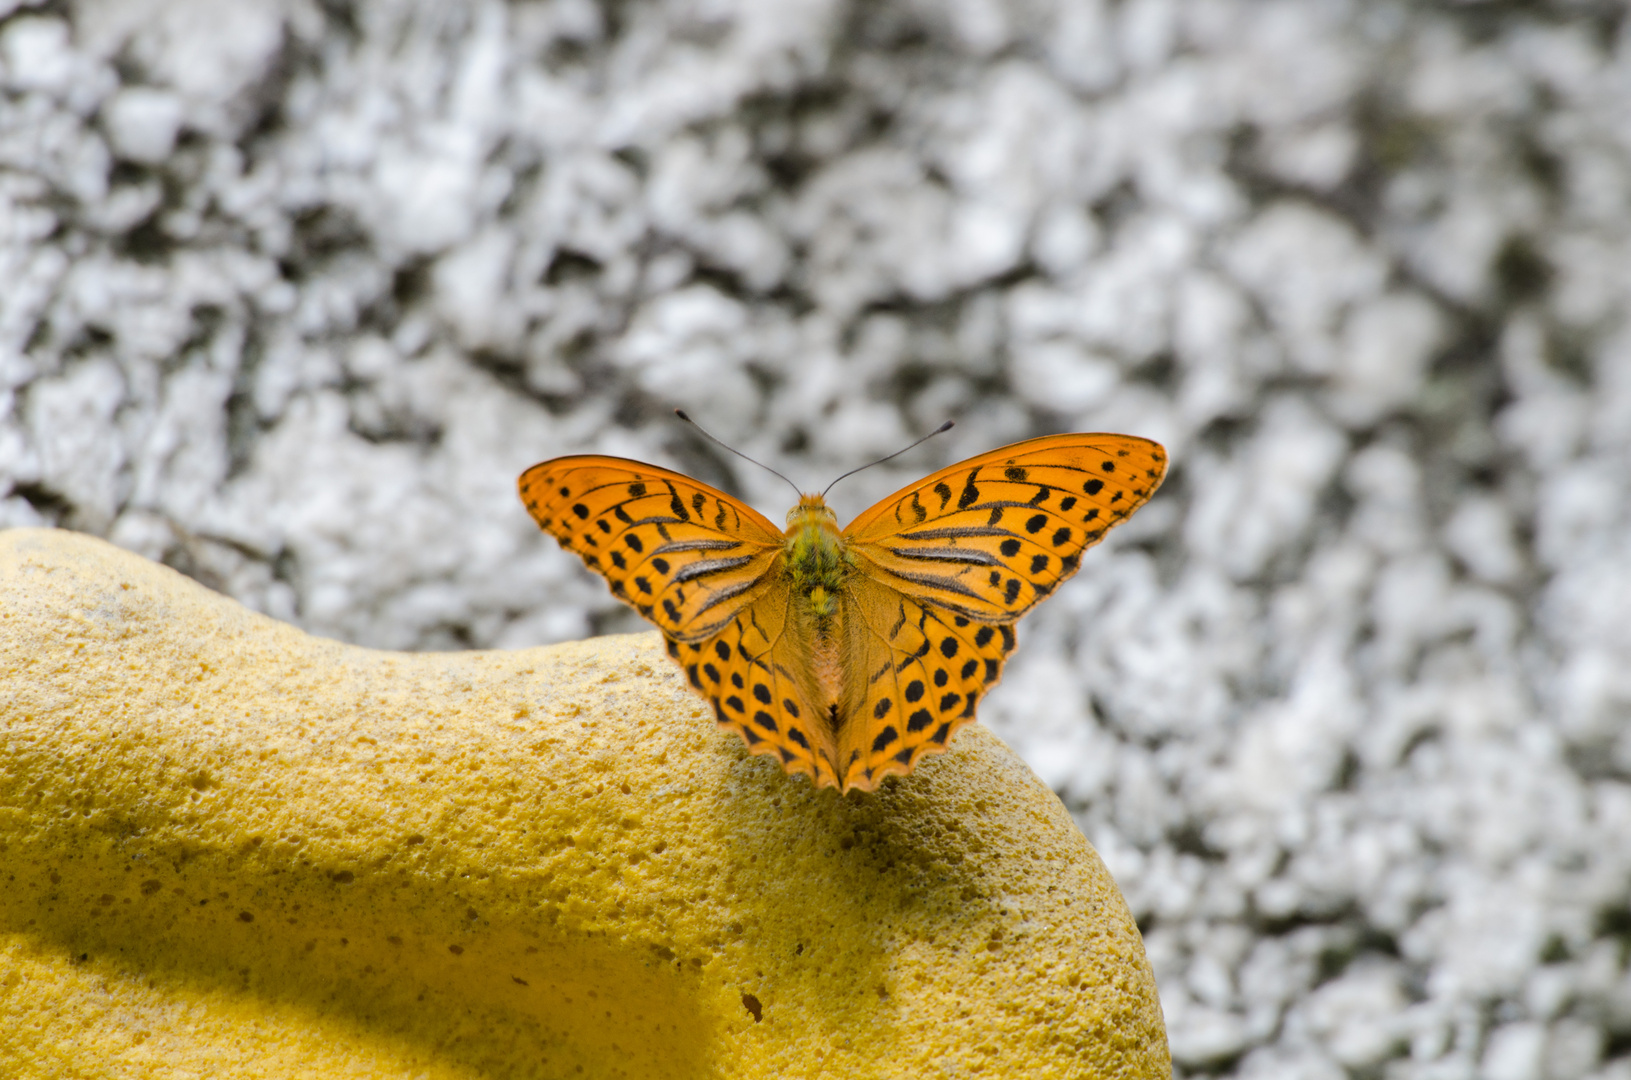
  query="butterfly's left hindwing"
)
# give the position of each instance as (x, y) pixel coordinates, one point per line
(756, 675)
(685, 556)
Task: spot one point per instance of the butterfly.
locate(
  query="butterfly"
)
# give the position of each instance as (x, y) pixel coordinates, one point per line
(848, 654)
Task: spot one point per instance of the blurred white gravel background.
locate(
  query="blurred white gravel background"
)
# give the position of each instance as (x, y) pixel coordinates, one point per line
(292, 290)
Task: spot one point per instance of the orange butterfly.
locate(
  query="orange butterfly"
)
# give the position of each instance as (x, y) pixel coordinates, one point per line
(848, 654)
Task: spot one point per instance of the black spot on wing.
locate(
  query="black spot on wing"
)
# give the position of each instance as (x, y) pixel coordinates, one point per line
(971, 493)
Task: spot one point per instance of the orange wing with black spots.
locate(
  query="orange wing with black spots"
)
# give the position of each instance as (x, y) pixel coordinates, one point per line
(919, 670)
(684, 555)
(949, 564)
(757, 675)
(990, 537)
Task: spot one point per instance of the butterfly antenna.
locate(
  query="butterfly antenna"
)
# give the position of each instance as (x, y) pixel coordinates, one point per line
(947, 426)
(681, 414)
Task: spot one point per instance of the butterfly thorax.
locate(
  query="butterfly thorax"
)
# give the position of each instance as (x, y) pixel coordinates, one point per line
(816, 558)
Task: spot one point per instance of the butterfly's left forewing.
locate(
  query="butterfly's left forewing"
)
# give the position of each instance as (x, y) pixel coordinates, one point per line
(686, 556)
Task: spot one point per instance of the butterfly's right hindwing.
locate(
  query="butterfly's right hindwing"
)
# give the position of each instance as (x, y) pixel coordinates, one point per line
(916, 674)
(686, 557)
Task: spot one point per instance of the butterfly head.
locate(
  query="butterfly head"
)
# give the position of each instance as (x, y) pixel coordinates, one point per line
(812, 510)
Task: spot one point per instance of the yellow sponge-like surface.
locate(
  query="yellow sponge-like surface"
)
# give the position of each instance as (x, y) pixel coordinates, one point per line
(231, 849)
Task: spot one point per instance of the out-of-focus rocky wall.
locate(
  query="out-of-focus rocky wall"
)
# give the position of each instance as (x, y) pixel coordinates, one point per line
(290, 292)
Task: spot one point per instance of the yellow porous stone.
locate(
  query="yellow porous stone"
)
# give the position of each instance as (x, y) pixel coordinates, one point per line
(231, 849)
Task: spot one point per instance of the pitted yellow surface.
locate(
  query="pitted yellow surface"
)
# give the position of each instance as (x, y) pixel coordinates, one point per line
(231, 849)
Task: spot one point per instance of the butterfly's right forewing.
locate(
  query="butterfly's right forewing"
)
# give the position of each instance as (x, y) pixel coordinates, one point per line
(685, 556)
(990, 537)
